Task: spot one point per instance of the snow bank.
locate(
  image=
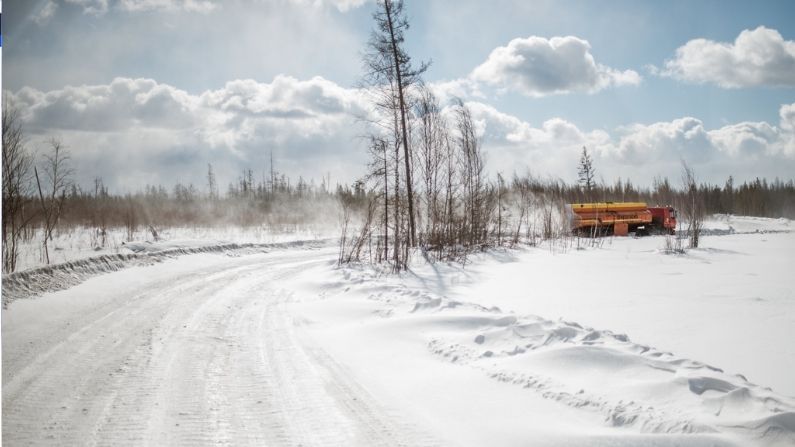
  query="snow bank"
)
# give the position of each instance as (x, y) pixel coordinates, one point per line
(84, 242)
(33, 282)
(629, 384)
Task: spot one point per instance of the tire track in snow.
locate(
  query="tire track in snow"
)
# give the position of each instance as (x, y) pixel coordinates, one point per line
(209, 358)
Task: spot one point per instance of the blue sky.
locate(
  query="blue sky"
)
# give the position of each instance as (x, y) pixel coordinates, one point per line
(641, 108)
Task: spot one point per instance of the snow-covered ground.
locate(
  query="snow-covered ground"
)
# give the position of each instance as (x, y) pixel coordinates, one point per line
(617, 345)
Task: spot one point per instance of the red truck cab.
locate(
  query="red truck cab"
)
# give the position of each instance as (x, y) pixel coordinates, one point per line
(664, 219)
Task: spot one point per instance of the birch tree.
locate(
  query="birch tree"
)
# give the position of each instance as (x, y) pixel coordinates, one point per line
(17, 165)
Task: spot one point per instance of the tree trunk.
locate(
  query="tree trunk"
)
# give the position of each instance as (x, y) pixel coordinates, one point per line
(404, 131)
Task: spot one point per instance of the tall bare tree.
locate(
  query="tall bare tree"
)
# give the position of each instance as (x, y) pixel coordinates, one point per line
(389, 64)
(472, 175)
(433, 137)
(17, 165)
(57, 177)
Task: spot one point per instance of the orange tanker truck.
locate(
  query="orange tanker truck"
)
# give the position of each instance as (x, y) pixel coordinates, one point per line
(620, 218)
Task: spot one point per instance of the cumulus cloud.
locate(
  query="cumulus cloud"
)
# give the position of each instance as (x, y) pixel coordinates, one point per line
(500, 128)
(100, 7)
(446, 91)
(787, 114)
(302, 109)
(133, 131)
(202, 6)
(92, 7)
(680, 138)
(120, 105)
(341, 5)
(638, 151)
(137, 131)
(748, 138)
(757, 57)
(513, 145)
(536, 66)
(45, 12)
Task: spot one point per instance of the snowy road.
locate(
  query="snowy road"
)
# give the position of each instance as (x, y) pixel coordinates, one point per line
(192, 355)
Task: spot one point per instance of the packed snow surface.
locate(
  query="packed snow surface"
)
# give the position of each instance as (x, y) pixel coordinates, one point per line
(615, 345)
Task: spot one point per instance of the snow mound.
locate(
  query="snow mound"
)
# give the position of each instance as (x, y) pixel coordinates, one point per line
(34, 282)
(630, 384)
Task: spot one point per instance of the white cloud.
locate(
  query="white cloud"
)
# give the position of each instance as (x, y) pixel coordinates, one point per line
(757, 57)
(139, 130)
(202, 6)
(447, 91)
(118, 106)
(680, 138)
(341, 5)
(100, 7)
(513, 145)
(500, 128)
(787, 114)
(536, 66)
(294, 108)
(45, 13)
(637, 151)
(747, 138)
(133, 131)
(91, 7)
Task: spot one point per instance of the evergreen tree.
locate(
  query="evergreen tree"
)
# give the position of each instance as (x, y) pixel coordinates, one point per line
(586, 172)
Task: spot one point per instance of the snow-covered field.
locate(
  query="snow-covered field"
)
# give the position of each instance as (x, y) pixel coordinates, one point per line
(617, 345)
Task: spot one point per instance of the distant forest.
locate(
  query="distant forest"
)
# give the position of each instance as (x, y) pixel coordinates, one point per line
(285, 203)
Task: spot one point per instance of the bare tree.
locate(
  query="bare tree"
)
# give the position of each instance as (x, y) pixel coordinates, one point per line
(212, 184)
(451, 178)
(397, 205)
(692, 205)
(388, 64)
(433, 139)
(501, 192)
(52, 190)
(16, 183)
(521, 188)
(378, 173)
(471, 175)
(130, 217)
